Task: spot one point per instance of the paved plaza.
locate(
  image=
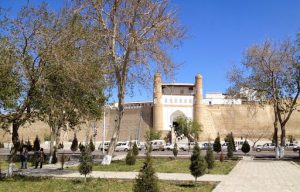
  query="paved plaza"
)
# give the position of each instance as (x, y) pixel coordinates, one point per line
(262, 176)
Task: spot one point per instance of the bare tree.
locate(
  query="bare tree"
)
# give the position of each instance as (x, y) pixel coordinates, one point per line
(138, 34)
(255, 135)
(272, 72)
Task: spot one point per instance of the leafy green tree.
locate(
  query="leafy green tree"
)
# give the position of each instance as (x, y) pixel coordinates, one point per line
(198, 164)
(217, 144)
(130, 158)
(135, 149)
(210, 158)
(91, 145)
(74, 146)
(86, 163)
(36, 144)
(30, 35)
(245, 147)
(152, 135)
(189, 128)
(146, 180)
(175, 150)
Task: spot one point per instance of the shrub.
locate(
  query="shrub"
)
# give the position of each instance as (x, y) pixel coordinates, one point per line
(47, 137)
(60, 146)
(221, 157)
(86, 163)
(291, 138)
(29, 146)
(36, 144)
(21, 146)
(81, 147)
(198, 164)
(175, 150)
(135, 149)
(91, 145)
(74, 146)
(146, 180)
(130, 158)
(230, 150)
(246, 147)
(210, 158)
(230, 139)
(217, 144)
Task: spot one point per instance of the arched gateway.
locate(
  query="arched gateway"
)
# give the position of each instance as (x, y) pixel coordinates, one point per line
(171, 100)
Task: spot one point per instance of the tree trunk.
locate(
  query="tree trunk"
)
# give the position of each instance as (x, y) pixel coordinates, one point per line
(107, 159)
(275, 136)
(15, 141)
(52, 138)
(283, 137)
(57, 136)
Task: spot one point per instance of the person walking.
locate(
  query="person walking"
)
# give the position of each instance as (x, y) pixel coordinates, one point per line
(37, 157)
(22, 158)
(42, 157)
(25, 155)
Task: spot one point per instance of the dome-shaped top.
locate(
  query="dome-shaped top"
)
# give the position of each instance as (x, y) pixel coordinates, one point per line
(198, 76)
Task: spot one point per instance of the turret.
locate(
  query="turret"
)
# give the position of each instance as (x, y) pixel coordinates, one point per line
(157, 105)
(198, 98)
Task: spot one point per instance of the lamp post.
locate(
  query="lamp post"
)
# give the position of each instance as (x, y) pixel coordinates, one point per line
(171, 126)
(103, 136)
(139, 130)
(104, 126)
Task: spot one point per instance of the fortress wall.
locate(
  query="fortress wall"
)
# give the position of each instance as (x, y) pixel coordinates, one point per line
(240, 119)
(130, 123)
(129, 129)
(224, 119)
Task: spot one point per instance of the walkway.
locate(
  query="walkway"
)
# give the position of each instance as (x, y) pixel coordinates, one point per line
(118, 175)
(262, 176)
(247, 176)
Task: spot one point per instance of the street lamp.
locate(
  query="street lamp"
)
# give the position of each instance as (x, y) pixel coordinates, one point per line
(104, 126)
(171, 126)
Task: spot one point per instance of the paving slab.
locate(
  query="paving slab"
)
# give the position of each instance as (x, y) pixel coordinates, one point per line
(262, 176)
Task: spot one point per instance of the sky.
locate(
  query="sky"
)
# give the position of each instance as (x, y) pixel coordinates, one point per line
(218, 33)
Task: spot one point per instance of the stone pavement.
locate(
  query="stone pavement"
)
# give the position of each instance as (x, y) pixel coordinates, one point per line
(262, 176)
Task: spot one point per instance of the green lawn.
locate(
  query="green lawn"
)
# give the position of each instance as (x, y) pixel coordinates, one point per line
(163, 166)
(298, 162)
(31, 184)
(4, 164)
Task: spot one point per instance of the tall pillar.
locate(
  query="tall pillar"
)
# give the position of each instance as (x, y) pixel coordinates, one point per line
(198, 98)
(157, 105)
